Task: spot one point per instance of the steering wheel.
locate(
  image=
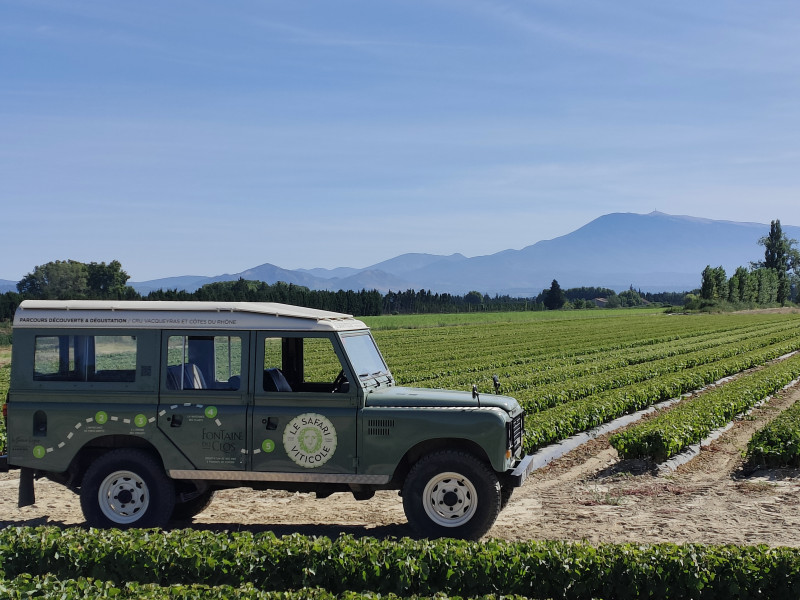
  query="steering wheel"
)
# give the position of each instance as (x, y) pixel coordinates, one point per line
(339, 382)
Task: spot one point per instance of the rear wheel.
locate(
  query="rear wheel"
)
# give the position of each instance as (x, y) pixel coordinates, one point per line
(451, 494)
(127, 488)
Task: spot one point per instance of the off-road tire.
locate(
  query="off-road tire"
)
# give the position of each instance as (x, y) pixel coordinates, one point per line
(184, 511)
(451, 494)
(127, 488)
(505, 495)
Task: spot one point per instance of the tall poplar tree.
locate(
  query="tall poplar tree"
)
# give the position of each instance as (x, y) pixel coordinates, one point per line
(781, 255)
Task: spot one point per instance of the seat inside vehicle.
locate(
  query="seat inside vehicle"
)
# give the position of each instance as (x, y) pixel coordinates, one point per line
(192, 377)
(275, 381)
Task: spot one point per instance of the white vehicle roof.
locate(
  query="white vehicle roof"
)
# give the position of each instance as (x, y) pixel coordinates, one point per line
(141, 314)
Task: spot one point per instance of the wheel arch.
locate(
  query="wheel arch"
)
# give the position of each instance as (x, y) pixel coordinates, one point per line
(427, 447)
(96, 447)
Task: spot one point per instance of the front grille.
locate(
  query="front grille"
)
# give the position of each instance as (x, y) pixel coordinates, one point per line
(516, 428)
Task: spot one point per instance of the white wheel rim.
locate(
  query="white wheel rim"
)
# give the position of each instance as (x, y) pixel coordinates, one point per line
(450, 499)
(123, 497)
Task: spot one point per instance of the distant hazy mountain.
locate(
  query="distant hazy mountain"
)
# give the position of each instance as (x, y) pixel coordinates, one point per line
(339, 272)
(652, 252)
(7, 286)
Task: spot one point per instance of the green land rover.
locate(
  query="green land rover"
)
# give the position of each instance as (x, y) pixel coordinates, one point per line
(145, 409)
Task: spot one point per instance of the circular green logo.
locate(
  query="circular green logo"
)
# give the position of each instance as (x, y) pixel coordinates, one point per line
(268, 445)
(310, 440)
(140, 420)
(39, 451)
(211, 412)
(101, 418)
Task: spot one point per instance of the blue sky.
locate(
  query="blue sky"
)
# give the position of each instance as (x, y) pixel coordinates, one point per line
(198, 137)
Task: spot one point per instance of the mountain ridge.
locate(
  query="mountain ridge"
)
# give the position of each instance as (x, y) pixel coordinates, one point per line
(652, 252)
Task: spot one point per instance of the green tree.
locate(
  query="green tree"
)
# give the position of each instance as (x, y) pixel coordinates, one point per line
(613, 301)
(8, 304)
(738, 286)
(779, 251)
(473, 297)
(750, 292)
(74, 280)
(631, 297)
(57, 280)
(107, 281)
(782, 256)
(714, 285)
(554, 298)
(768, 285)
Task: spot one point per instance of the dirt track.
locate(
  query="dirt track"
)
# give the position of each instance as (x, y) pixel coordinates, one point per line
(586, 495)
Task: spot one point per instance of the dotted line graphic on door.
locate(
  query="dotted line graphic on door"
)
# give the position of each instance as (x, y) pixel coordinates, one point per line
(101, 417)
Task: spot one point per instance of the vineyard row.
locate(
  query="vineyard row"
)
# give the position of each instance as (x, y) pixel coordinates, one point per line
(345, 565)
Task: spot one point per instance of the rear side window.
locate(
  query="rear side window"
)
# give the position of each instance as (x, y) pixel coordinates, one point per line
(88, 358)
(204, 362)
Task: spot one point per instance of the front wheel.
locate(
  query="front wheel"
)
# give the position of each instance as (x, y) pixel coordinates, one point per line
(127, 488)
(451, 494)
(184, 511)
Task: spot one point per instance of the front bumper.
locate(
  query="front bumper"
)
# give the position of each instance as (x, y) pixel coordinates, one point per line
(520, 473)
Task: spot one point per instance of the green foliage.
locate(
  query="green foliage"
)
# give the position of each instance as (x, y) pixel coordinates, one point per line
(714, 284)
(75, 563)
(781, 256)
(630, 298)
(562, 421)
(27, 586)
(473, 297)
(587, 293)
(778, 444)
(573, 371)
(768, 282)
(73, 280)
(8, 304)
(554, 298)
(577, 369)
(780, 252)
(692, 420)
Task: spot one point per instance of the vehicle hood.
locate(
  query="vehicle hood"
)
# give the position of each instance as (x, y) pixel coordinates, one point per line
(425, 397)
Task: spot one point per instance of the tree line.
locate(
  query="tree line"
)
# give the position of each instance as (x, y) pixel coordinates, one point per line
(74, 280)
(774, 280)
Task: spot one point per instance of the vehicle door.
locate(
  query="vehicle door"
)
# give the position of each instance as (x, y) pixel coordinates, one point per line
(204, 396)
(304, 412)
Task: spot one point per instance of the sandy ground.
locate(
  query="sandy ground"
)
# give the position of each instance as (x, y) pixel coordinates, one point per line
(586, 495)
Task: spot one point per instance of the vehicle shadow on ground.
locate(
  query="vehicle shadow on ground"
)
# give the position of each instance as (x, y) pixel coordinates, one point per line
(627, 467)
(753, 471)
(399, 530)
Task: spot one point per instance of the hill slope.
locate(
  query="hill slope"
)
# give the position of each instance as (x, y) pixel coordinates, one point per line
(652, 252)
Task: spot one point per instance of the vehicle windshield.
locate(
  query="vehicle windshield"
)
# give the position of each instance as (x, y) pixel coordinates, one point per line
(364, 355)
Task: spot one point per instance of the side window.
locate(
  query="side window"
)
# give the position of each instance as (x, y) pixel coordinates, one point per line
(204, 362)
(298, 364)
(85, 358)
